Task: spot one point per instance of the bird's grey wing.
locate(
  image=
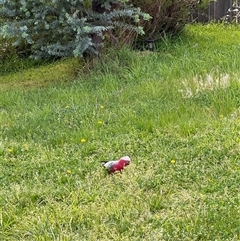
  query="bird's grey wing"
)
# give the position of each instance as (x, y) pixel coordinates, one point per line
(110, 164)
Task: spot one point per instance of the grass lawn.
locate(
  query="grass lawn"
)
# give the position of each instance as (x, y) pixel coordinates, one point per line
(175, 112)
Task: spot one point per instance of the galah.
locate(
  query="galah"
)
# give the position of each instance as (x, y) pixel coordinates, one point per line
(117, 166)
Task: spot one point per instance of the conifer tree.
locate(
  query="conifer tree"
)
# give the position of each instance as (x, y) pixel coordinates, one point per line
(65, 27)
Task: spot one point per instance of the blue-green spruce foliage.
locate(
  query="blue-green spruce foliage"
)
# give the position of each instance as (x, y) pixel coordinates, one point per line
(63, 27)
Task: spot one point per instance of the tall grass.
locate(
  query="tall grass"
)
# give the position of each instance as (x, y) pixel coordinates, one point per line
(175, 112)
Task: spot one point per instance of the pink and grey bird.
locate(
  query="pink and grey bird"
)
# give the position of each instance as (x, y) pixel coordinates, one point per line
(117, 166)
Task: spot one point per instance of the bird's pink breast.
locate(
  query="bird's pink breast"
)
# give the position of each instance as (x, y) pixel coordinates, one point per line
(118, 166)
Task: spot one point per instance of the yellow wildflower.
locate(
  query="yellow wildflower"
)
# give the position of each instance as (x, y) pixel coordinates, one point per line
(173, 161)
(83, 140)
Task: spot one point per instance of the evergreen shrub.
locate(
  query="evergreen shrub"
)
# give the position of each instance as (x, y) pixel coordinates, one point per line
(60, 28)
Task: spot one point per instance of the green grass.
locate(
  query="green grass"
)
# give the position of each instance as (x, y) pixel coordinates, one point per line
(175, 112)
